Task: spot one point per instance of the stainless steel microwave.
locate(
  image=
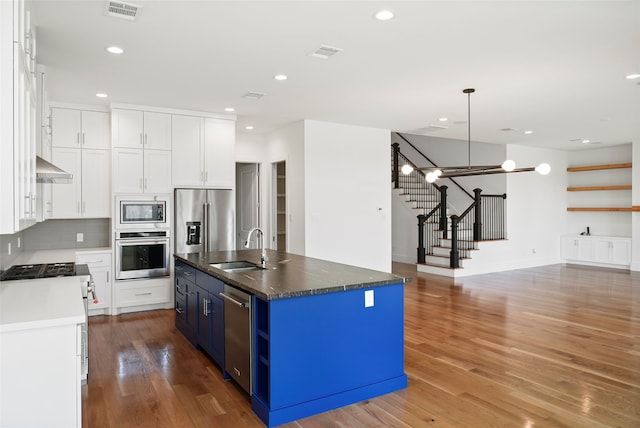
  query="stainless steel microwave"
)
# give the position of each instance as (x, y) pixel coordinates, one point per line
(140, 213)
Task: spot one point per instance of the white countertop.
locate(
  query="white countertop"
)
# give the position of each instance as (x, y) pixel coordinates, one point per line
(40, 303)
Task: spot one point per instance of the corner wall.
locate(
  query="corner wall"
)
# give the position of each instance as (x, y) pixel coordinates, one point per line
(348, 194)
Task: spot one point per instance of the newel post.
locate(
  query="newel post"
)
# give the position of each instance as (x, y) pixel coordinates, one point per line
(421, 251)
(443, 226)
(395, 177)
(477, 222)
(454, 257)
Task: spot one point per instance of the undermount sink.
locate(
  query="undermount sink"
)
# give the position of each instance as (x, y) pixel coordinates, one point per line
(237, 266)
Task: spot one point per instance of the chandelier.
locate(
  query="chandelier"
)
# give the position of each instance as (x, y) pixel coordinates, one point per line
(508, 166)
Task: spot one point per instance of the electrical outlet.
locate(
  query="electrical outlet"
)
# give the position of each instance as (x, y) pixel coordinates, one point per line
(79, 237)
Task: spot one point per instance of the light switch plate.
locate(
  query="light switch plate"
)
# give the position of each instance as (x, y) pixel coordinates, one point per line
(79, 237)
(368, 298)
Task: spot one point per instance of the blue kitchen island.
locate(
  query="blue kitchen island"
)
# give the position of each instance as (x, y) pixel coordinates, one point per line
(324, 335)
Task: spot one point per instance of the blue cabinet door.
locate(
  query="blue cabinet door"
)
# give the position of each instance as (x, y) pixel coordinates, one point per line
(205, 320)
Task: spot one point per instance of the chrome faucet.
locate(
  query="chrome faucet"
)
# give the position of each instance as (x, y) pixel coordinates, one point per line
(263, 257)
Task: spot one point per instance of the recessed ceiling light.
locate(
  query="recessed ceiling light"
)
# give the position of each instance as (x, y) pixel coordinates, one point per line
(248, 127)
(101, 95)
(229, 109)
(585, 141)
(115, 50)
(632, 76)
(280, 77)
(443, 119)
(528, 132)
(384, 15)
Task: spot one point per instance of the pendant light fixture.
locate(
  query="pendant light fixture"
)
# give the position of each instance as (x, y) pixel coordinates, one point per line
(508, 166)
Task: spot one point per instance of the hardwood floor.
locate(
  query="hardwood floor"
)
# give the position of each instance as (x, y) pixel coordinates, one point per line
(556, 346)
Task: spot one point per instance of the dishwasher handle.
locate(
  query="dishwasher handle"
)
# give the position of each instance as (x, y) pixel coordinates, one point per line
(234, 301)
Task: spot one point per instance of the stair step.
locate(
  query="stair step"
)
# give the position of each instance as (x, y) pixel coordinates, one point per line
(441, 261)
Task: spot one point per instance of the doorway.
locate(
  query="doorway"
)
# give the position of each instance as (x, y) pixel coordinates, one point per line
(279, 204)
(247, 202)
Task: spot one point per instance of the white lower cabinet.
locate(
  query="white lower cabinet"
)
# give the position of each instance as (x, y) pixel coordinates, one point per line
(41, 380)
(142, 294)
(596, 250)
(99, 263)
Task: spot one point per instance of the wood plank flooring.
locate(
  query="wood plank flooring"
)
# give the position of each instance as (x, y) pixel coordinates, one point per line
(555, 346)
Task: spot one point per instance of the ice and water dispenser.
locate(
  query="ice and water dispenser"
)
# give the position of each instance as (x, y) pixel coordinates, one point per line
(193, 232)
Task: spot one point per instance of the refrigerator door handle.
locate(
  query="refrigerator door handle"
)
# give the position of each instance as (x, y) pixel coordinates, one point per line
(205, 228)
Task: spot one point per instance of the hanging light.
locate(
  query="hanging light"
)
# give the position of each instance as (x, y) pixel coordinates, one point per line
(434, 173)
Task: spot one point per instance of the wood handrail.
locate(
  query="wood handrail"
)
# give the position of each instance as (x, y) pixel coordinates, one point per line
(587, 188)
(598, 167)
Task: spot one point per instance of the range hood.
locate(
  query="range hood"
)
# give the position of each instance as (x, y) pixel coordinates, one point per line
(49, 173)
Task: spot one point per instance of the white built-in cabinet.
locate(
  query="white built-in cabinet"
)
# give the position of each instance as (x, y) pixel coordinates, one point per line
(203, 151)
(81, 142)
(141, 151)
(18, 101)
(596, 250)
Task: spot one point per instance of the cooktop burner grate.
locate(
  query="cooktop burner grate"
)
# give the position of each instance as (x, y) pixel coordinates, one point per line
(33, 271)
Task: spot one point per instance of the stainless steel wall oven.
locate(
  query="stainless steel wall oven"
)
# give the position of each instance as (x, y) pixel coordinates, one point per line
(142, 254)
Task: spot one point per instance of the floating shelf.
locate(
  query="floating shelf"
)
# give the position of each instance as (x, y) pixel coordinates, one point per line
(619, 209)
(598, 167)
(588, 188)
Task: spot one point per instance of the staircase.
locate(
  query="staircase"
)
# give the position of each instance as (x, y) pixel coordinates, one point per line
(445, 242)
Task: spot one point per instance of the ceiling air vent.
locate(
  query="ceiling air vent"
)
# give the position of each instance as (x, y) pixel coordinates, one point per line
(122, 10)
(253, 95)
(428, 129)
(325, 52)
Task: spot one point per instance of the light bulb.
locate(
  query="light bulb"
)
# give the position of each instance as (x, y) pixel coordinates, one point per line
(431, 177)
(508, 165)
(407, 169)
(438, 173)
(543, 169)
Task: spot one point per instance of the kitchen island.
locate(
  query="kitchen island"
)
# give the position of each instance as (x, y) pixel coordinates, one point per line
(323, 334)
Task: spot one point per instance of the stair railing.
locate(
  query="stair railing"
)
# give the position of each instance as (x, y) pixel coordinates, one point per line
(488, 224)
(432, 234)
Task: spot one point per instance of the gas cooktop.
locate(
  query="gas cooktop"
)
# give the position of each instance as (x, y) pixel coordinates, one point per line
(45, 270)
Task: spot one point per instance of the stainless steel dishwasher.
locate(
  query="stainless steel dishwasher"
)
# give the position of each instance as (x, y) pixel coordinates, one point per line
(237, 336)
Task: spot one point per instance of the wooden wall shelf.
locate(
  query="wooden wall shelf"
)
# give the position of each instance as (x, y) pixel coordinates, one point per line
(588, 188)
(598, 167)
(619, 209)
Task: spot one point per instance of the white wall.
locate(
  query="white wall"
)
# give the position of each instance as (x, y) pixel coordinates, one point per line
(404, 230)
(287, 144)
(635, 224)
(348, 194)
(536, 208)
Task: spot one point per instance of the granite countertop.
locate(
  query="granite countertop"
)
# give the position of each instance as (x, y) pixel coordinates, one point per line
(289, 275)
(40, 303)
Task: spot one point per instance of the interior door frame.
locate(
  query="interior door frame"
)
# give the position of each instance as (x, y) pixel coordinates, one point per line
(257, 205)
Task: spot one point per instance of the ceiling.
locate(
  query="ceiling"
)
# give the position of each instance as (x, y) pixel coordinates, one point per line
(556, 68)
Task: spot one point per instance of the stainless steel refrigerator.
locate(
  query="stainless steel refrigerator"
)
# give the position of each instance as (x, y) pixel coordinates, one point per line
(204, 220)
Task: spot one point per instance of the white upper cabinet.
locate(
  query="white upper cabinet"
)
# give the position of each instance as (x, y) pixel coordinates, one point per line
(203, 151)
(80, 129)
(18, 101)
(89, 195)
(141, 129)
(141, 151)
